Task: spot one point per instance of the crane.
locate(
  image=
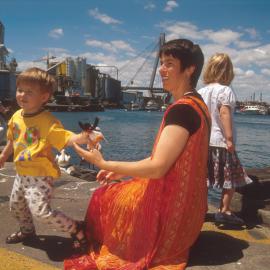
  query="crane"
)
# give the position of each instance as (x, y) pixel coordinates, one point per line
(46, 58)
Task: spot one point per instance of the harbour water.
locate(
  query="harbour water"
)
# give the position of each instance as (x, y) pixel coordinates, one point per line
(130, 134)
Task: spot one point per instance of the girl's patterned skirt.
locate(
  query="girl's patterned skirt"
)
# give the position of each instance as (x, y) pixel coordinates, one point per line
(225, 169)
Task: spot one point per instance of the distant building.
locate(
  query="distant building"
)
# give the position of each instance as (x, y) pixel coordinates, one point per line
(102, 86)
(7, 70)
(91, 81)
(3, 49)
(109, 89)
(2, 33)
(132, 96)
(76, 71)
(70, 73)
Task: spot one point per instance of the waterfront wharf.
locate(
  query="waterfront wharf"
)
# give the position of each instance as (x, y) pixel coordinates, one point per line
(217, 248)
(54, 107)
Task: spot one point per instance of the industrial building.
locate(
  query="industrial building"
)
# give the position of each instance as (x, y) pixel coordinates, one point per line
(7, 70)
(74, 78)
(77, 78)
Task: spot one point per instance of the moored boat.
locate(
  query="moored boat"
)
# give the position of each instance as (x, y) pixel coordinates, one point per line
(254, 109)
(134, 106)
(152, 105)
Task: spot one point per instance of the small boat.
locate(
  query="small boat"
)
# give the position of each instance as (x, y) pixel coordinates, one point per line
(254, 109)
(135, 106)
(152, 105)
(263, 111)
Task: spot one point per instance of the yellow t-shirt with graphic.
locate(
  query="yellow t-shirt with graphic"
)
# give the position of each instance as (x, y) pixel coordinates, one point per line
(33, 139)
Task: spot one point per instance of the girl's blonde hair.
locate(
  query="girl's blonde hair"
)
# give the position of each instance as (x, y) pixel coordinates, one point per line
(219, 69)
(37, 76)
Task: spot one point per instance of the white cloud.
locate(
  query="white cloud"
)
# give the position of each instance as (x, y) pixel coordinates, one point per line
(175, 30)
(211, 48)
(259, 56)
(56, 51)
(112, 46)
(249, 73)
(103, 17)
(99, 58)
(150, 6)
(100, 44)
(265, 71)
(56, 33)
(188, 30)
(23, 65)
(223, 36)
(260, 51)
(250, 58)
(122, 45)
(246, 44)
(170, 5)
(238, 71)
(252, 32)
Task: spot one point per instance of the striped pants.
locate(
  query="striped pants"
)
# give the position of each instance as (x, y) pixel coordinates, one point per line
(30, 197)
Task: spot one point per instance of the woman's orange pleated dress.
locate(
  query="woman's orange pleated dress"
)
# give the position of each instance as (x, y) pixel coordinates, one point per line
(143, 224)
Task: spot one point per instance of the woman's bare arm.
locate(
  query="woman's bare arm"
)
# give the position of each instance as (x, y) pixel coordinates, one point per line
(170, 145)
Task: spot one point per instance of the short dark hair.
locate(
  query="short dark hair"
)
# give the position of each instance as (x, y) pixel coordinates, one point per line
(188, 53)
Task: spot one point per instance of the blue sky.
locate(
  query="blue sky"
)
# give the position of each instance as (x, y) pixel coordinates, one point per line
(111, 32)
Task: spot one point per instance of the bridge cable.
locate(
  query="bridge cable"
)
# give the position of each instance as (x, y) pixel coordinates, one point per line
(137, 56)
(142, 65)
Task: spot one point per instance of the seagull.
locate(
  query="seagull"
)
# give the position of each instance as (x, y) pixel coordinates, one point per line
(63, 159)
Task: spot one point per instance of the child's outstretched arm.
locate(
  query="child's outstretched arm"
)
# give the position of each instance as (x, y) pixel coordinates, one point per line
(7, 151)
(226, 120)
(81, 138)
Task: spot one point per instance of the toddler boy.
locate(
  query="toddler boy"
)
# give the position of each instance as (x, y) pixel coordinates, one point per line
(32, 133)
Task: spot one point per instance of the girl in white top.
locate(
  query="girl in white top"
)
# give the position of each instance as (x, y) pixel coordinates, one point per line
(224, 168)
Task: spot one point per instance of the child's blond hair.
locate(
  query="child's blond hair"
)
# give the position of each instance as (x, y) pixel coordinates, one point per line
(219, 69)
(39, 77)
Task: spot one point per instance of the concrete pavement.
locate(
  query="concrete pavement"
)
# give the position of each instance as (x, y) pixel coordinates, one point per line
(219, 248)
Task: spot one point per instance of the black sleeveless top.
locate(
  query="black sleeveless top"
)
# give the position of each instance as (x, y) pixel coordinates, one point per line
(185, 116)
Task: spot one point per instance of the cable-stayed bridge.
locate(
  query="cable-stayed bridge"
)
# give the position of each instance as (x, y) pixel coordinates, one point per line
(139, 73)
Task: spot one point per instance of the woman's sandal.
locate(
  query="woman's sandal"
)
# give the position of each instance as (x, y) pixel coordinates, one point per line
(80, 245)
(19, 237)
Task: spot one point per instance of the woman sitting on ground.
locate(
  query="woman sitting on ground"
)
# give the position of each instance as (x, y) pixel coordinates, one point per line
(152, 220)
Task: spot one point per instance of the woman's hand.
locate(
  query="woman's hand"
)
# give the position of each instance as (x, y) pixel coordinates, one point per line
(105, 177)
(92, 156)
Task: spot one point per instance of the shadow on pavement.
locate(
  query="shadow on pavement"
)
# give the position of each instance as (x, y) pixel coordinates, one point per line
(234, 227)
(215, 248)
(210, 217)
(57, 248)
